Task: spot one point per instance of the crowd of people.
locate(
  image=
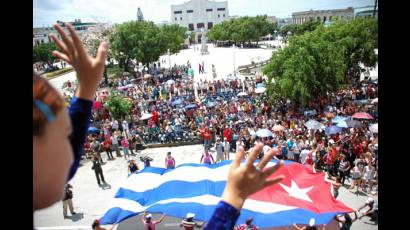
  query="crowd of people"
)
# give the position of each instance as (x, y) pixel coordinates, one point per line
(214, 114)
(180, 109)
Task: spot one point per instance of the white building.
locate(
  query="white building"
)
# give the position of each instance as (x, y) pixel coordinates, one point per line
(40, 34)
(198, 14)
(322, 15)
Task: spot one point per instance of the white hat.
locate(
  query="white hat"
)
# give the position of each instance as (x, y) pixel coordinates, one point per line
(190, 215)
(312, 222)
(148, 216)
(370, 200)
(331, 141)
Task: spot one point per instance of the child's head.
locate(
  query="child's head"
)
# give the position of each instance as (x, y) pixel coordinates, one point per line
(52, 151)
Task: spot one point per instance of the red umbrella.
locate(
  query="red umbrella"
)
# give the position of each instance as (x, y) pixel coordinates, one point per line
(362, 115)
(97, 105)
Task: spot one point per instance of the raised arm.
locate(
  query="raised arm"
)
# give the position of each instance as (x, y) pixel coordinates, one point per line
(161, 219)
(298, 228)
(143, 217)
(89, 74)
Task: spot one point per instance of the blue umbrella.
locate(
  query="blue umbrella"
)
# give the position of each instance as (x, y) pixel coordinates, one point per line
(177, 102)
(337, 119)
(93, 130)
(211, 104)
(332, 130)
(312, 124)
(260, 85)
(263, 133)
(342, 124)
(191, 106)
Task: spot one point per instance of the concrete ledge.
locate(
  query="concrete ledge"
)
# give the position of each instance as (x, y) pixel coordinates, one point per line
(159, 145)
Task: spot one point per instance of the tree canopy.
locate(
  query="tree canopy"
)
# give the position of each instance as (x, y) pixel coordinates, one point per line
(241, 30)
(144, 41)
(118, 105)
(42, 52)
(319, 62)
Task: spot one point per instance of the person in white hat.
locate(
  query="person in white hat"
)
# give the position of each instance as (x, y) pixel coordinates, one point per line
(188, 223)
(311, 226)
(372, 212)
(146, 219)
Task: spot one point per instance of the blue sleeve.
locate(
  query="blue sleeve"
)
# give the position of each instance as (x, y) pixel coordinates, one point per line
(80, 113)
(224, 217)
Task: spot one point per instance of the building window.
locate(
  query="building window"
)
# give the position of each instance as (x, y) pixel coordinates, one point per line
(223, 15)
(189, 11)
(219, 16)
(191, 27)
(324, 19)
(208, 10)
(200, 25)
(176, 19)
(330, 18)
(210, 24)
(221, 9)
(178, 12)
(42, 41)
(180, 18)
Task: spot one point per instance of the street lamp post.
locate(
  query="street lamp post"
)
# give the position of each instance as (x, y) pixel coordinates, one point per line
(169, 59)
(233, 49)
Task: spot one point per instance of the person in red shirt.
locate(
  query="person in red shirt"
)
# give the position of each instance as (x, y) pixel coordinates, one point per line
(227, 134)
(207, 138)
(155, 117)
(107, 149)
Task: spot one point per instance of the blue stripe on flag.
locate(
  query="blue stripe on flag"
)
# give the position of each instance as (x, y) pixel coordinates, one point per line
(173, 189)
(204, 213)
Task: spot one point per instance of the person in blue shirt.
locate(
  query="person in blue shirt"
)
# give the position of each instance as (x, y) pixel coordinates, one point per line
(58, 134)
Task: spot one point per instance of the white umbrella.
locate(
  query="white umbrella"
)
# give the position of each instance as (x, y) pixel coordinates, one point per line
(242, 94)
(278, 128)
(374, 101)
(313, 124)
(170, 82)
(374, 128)
(263, 133)
(145, 116)
(260, 90)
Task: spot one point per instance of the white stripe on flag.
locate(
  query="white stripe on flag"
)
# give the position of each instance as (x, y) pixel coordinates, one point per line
(251, 205)
(145, 181)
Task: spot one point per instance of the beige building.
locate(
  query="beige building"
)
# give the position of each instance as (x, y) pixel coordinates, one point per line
(322, 15)
(199, 15)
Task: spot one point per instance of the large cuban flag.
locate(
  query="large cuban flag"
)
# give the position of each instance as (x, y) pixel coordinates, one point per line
(197, 188)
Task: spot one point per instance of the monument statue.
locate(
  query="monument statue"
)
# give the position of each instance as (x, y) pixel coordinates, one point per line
(204, 46)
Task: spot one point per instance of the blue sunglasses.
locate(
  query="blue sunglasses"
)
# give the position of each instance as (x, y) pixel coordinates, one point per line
(45, 110)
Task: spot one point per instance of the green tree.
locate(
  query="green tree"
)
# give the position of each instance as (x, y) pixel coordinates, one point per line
(118, 105)
(42, 53)
(359, 37)
(144, 41)
(308, 68)
(322, 60)
(242, 30)
(174, 37)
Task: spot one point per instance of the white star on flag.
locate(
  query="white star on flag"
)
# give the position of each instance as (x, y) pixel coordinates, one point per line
(296, 192)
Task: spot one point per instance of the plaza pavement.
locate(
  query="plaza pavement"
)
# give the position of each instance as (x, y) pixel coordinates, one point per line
(91, 201)
(222, 58)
